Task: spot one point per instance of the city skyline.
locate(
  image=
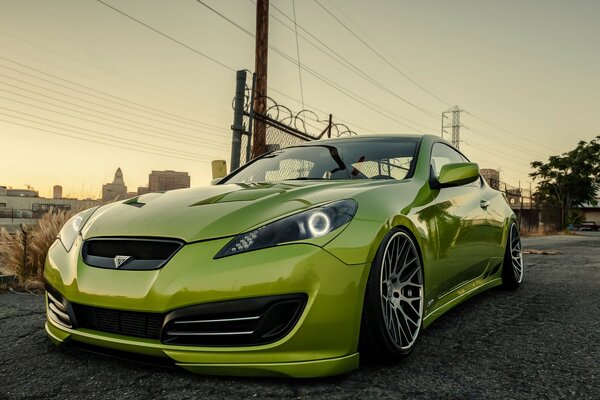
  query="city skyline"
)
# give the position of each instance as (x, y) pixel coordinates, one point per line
(147, 187)
(86, 89)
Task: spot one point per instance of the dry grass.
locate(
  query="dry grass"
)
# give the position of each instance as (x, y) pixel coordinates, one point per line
(24, 252)
(13, 249)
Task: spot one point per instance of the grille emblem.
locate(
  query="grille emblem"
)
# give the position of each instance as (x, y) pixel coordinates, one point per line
(120, 260)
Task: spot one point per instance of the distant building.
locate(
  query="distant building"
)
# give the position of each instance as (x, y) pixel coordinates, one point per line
(22, 193)
(24, 206)
(513, 195)
(116, 190)
(57, 192)
(26, 210)
(161, 181)
(591, 211)
(143, 190)
(492, 177)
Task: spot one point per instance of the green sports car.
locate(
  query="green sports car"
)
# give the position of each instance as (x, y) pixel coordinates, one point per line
(292, 265)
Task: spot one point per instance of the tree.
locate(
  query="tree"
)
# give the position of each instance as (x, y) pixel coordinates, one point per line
(571, 179)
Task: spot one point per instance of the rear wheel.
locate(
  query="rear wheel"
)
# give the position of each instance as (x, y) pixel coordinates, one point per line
(512, 269)
(393, 307)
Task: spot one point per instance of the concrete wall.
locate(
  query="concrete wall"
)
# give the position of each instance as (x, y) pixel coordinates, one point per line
(35, 203)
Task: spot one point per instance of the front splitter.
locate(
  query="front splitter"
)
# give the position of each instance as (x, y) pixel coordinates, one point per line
(295, 369)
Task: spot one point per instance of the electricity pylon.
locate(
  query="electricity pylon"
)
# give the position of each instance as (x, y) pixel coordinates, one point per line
(454, 123)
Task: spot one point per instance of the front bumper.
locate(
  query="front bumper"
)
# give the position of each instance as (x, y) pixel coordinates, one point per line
(323, 341)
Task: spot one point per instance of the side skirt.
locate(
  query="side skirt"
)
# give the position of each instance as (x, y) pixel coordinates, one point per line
(457, 299)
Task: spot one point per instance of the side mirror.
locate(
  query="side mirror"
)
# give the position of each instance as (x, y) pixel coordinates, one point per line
(456, 174)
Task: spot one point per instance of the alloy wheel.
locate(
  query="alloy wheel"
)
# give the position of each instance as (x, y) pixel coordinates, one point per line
(401, 290)
(516, 255)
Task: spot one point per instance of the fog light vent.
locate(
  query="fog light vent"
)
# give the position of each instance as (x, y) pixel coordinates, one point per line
(58, 312)
(243, 322)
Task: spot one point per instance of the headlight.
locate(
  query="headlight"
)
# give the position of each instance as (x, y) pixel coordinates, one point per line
(71, 230)
(308, 224)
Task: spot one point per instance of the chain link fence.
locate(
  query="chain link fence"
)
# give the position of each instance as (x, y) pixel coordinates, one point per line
(283, 126)
(534, 217)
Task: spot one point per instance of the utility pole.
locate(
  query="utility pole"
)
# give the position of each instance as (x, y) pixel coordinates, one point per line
(454, 124)
(238, 119)
(260, 68)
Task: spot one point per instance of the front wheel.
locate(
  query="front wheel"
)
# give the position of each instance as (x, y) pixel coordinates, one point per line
(393, 307)
(512, 268)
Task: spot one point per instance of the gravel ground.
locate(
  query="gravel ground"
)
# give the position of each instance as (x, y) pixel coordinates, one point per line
(542, 341)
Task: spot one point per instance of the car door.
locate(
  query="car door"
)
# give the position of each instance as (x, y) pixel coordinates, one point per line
(462, 227)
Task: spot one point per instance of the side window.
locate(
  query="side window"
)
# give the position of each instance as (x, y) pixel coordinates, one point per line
(443, 154)
(396, 168)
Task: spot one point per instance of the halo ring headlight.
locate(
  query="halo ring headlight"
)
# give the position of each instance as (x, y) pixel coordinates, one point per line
(319, 223)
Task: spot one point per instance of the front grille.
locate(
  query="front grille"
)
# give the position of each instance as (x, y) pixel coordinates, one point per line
(129, 253)
(127, 323)
(243, 322)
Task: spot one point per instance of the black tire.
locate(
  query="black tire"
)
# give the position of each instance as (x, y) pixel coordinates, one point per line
(512, 266)
(377, 340)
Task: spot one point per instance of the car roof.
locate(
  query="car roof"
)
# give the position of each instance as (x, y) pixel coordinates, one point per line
(364, 138)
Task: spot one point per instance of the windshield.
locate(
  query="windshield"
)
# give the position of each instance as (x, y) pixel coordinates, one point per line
(352, 159)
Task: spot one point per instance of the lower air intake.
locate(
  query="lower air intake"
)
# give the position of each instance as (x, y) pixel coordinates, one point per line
(244, 322)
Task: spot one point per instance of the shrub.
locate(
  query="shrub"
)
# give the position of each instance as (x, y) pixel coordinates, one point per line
(13, 248)
(24, 252)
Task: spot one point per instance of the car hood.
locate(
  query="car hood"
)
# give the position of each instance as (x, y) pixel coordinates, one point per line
(215, 211)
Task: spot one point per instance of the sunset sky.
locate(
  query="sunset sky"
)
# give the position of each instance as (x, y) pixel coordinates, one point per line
(79, 79)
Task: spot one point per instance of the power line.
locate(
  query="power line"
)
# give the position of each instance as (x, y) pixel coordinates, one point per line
(489, 151)
(196, 130)
(99, 142)
(353, 95)
(388, 62)
(169, 37)
(298, 53)
(538, 144)
(108, 71)
(120, 123)
(504, 155)
(506, 143)
(351, 66)
(341, 11)
(346, 63)
(97, 134)
(87, 108)
(142, 132)
(226, 18)
(126, 103)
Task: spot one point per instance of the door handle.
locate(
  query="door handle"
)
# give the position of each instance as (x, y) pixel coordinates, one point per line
(484, 204)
